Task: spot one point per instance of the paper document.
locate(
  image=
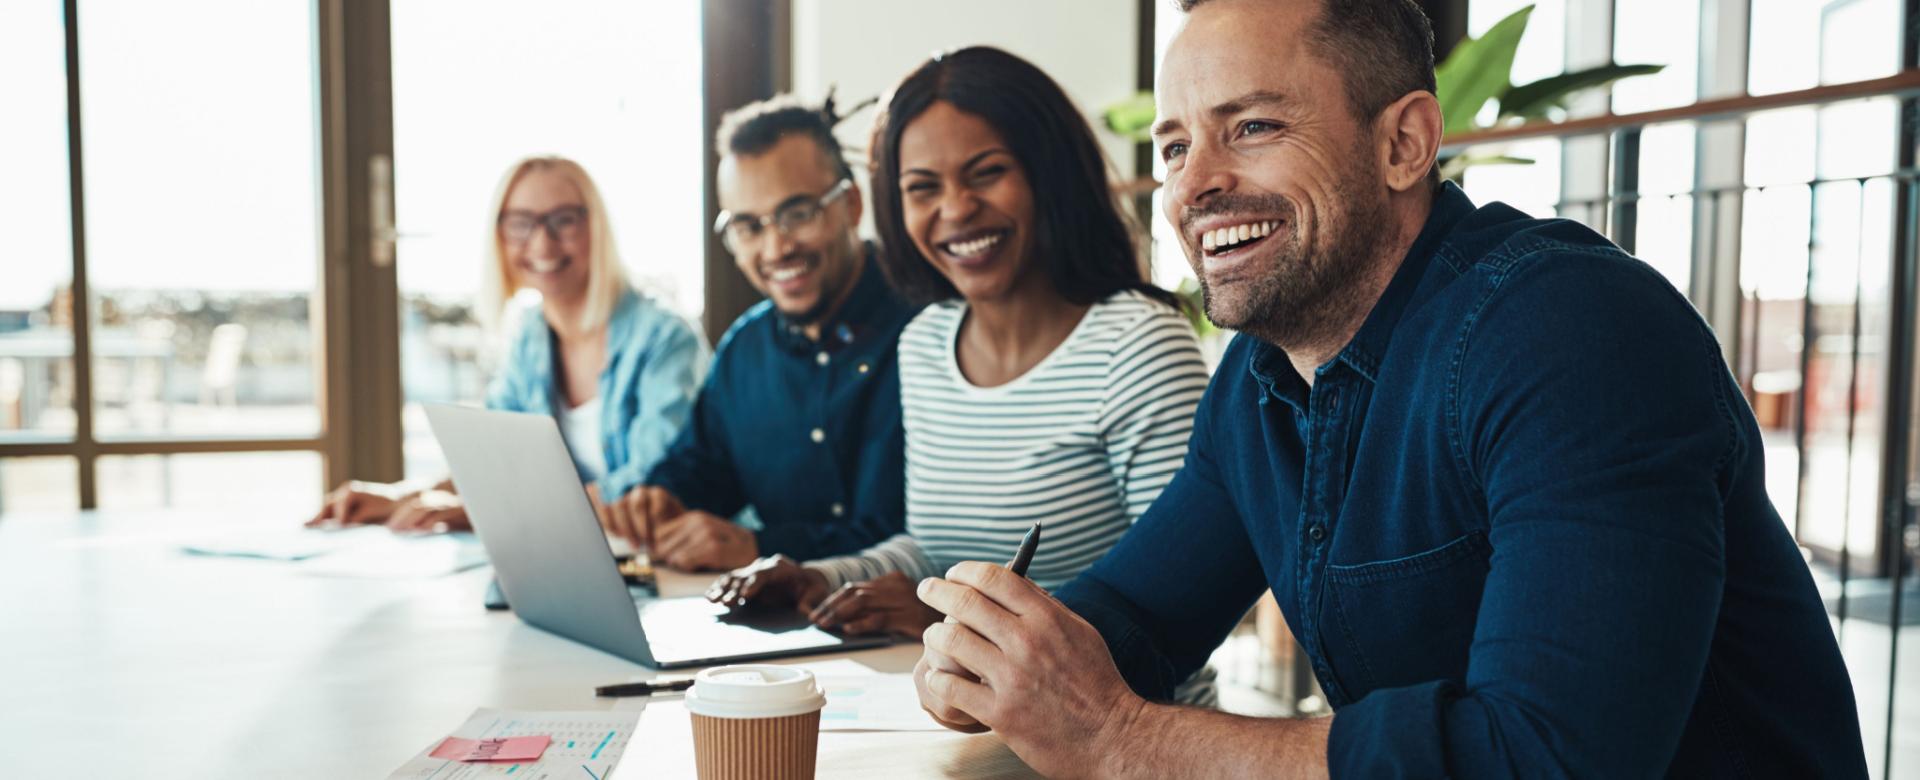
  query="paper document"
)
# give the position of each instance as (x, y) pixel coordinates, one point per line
(837, 667)
(873, 702)
(392, 557)
(663, 748)
(585, 746)
(279, 543)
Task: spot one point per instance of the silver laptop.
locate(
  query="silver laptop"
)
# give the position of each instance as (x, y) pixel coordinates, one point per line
(556, 569)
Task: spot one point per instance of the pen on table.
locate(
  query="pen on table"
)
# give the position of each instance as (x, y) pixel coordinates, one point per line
(644, 688)
(1024, 557)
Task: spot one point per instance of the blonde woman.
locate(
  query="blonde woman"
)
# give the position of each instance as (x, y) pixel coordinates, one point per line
(617, 370)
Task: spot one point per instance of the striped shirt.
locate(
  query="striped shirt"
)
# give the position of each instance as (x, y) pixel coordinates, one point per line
(1083, 442)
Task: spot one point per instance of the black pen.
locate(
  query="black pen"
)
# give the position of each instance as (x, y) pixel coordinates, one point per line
(644, 688)
(1024, 558)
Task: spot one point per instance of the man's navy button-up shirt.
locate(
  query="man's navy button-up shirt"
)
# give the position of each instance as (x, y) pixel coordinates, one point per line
(806, 432)
(1519, 524)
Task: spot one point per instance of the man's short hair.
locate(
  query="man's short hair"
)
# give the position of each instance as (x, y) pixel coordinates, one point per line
(754, 128)
(1382, 48)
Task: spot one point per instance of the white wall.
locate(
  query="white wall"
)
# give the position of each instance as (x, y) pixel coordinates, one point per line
(866, 46)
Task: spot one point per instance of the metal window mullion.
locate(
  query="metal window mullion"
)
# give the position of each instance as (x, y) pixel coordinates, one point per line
(1583, 161)
(121, 447)
(359, 308)
(1144, 64)
(1853, 404)
(329, 312)
(746, 55)
(1623, 195)
(1725, 47)
(1809, 333)
(1897, 442)
(79, 311)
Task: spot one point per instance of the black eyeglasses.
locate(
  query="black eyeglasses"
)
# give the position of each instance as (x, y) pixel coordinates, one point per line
(745, 232)
(562, 224)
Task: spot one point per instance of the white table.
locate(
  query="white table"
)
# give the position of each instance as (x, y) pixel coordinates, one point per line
(153, 663)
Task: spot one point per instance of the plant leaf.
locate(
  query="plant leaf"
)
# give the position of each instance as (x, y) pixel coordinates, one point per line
(1533, 100)
(1132, 118)
(1478, 70)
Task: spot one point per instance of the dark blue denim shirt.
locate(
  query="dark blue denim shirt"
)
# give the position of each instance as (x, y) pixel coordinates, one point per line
(805, 432)
(1519, 524)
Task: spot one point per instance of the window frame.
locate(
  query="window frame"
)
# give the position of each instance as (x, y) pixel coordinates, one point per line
(358, 397)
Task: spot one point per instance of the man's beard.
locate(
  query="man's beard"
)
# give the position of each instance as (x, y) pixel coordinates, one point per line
(832, 287)
(1305, 293)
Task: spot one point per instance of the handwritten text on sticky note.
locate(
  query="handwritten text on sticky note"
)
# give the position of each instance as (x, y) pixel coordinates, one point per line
(507, 749)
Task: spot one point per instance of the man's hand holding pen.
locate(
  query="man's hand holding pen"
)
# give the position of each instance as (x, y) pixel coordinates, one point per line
(1015, 660)
(1012, 658)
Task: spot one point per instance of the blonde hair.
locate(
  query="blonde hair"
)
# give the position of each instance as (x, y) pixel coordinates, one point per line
(606, 277)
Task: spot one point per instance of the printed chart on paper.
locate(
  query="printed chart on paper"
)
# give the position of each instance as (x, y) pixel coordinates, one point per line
(586, 746)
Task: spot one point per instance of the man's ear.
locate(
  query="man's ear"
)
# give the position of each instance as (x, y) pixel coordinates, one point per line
(1409, 131)
(856, 202)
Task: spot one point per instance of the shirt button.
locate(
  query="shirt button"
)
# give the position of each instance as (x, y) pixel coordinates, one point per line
(822, 358)
(862, 369)
(838, 509)
(818, 435)
(1317, 532)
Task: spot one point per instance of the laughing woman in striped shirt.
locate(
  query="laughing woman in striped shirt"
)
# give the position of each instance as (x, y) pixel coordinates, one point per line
(1048, 381)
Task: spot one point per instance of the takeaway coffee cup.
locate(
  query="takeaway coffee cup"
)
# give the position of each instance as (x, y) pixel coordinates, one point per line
(755, 722)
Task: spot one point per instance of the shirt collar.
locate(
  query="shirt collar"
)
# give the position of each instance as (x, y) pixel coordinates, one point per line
(854, 318)
(1268, 364)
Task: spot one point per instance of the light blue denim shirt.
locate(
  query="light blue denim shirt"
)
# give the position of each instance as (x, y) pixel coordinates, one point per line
(655, 362)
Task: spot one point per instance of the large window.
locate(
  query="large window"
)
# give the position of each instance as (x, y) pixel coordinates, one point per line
(1787, 243)
(202, 255)
(615, 86)
(1534, 187)
(202, 252)
(36, 334)
(1842, 226)
(1658, 186)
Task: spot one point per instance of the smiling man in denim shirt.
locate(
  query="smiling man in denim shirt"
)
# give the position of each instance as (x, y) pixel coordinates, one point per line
(1495, 471)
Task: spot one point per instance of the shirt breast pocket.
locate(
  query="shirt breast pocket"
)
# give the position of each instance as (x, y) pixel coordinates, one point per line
(1406, 620)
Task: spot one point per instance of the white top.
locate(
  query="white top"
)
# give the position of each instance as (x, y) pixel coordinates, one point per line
(580, 426)
(1083, 442)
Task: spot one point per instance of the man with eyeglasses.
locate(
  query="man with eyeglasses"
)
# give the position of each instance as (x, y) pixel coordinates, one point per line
(799, 419)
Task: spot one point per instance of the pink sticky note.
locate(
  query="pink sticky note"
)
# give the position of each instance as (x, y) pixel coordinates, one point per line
(507, 749)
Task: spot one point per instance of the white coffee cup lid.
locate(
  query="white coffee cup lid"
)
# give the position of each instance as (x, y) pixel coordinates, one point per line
(754, 691)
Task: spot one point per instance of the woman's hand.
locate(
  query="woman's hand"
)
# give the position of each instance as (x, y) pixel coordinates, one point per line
(886, 603)
(774, 581)
(429, 512)
(358, 503)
